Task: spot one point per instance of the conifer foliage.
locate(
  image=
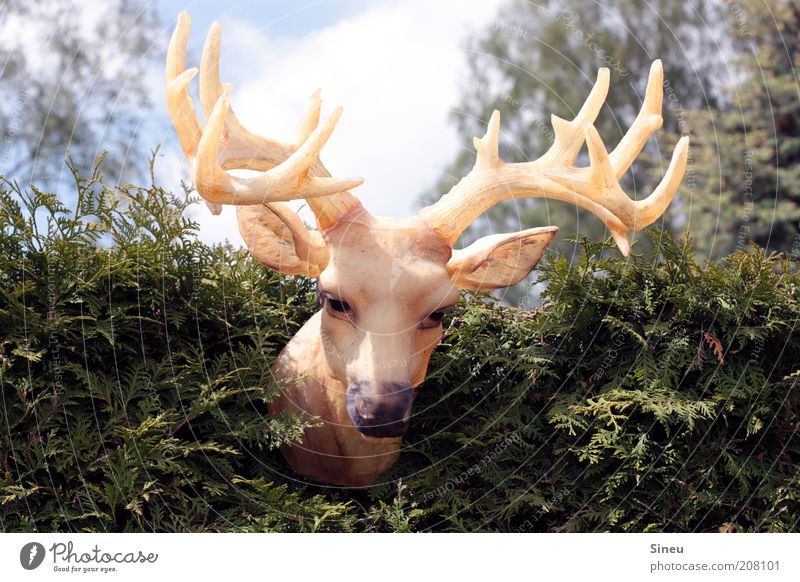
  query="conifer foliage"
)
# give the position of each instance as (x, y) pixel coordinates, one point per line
(134, 374)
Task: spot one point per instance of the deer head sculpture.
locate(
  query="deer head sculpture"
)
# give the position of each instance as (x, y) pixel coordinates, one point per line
(386, 284)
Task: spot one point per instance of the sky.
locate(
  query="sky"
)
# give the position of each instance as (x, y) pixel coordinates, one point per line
(394, 67)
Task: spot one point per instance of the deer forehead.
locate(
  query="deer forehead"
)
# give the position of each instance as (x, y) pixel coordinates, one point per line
(378, 258)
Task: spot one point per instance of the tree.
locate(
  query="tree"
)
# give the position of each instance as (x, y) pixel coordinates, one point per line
(750, 150)
(541, 59)
(73, 82)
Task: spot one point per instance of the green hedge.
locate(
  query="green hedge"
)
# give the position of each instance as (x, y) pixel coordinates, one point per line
(134, 370)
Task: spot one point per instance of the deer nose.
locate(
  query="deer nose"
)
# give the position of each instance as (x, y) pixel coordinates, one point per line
(382, 414)
(366, 408)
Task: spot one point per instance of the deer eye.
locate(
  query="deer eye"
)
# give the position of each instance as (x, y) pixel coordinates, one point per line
(336, 306)
(436, 317)
(339, 305)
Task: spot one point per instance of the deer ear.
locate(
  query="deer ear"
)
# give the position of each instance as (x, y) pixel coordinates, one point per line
(277, 238)
(499, 260)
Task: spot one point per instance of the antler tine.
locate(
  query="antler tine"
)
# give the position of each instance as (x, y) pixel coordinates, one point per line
(595, 188)
(210, 86)
(488, 146)
(569, 136)
(647, 121)
(652, 207)
(287, 181)
(243, 145)
(289, 171)
(310, 118)
(179, 103)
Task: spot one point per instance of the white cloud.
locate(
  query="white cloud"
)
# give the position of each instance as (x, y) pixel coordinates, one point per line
(395, 68)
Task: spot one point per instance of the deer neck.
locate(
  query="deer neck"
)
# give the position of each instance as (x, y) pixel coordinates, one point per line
(334, 452)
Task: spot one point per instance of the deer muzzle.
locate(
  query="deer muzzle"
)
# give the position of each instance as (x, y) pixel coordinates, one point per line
(382, 411)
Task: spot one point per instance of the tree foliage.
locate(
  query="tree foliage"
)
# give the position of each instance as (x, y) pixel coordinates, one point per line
(135, 371)
(74, 75)
(750, 150)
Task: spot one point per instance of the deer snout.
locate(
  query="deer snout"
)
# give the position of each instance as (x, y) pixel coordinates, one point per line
(380, 413)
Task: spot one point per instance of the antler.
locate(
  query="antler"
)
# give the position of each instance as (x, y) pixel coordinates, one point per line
(595, 188)
(288, 171)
